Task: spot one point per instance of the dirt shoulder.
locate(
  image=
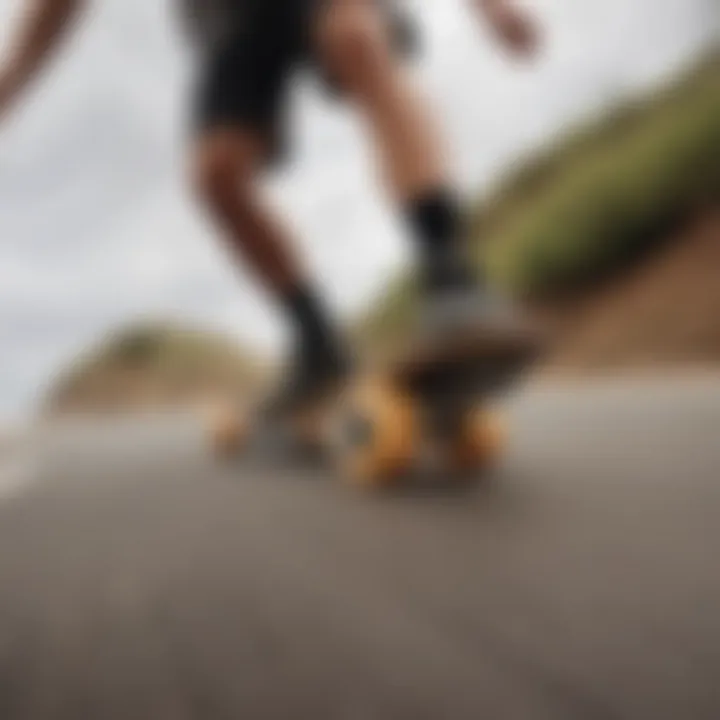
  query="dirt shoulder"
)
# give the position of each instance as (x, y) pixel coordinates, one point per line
(662, 313)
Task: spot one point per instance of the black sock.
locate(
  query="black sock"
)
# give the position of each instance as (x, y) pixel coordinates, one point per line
(436, 222)
(313, 327)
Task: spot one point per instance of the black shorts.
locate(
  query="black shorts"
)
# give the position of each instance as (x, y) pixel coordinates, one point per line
(243, 82)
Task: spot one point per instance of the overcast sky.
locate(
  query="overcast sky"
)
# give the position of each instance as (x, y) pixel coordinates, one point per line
(96, 227)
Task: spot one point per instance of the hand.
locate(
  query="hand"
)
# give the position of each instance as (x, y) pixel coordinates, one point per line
(515, 28)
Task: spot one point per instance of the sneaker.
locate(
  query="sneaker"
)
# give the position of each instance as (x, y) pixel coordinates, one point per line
(468, 318)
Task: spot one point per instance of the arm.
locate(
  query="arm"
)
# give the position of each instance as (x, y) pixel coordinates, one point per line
(513, 27)
(40, 32)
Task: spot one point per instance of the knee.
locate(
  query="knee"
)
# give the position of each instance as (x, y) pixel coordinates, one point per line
(352, 41)
(222, 172)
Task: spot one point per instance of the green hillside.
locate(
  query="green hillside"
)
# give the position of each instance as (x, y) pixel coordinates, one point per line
(602, 194)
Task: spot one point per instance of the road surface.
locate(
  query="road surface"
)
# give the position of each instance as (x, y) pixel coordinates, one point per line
(138, 580)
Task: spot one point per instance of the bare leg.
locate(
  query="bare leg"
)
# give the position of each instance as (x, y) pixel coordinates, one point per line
(226, 164)
(226, 167)
(354, 41)
(355, 44)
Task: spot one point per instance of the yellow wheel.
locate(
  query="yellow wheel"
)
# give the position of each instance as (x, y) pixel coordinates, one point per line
(227, 429)
(374, 434)
(480, 443)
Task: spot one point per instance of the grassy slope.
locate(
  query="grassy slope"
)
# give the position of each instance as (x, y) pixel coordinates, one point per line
(154, 364)
(585, 205)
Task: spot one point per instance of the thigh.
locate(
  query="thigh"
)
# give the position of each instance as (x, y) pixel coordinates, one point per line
(325, 16)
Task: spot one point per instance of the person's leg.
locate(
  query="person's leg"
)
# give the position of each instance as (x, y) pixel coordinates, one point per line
(225, 166)
(238, 104)
(355, 44)
(227, 161)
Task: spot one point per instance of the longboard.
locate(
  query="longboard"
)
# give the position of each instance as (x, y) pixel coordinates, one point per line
(429, 409)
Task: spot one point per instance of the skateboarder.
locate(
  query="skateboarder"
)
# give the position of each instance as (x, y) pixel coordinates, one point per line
(247, 51)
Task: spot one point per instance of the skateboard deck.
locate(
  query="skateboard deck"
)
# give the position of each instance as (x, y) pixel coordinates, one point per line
(429, 408)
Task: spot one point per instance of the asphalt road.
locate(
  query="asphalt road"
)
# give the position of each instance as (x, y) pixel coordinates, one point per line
(138, 580)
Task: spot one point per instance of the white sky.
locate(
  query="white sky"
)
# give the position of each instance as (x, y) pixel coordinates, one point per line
(95, 224)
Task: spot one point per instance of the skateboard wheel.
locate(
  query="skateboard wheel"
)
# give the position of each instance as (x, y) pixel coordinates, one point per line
(374, 434)
(480, 443)
(227, 429)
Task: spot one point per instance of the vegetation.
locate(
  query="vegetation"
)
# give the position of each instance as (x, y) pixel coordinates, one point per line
(154, 364)
(586, 206)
